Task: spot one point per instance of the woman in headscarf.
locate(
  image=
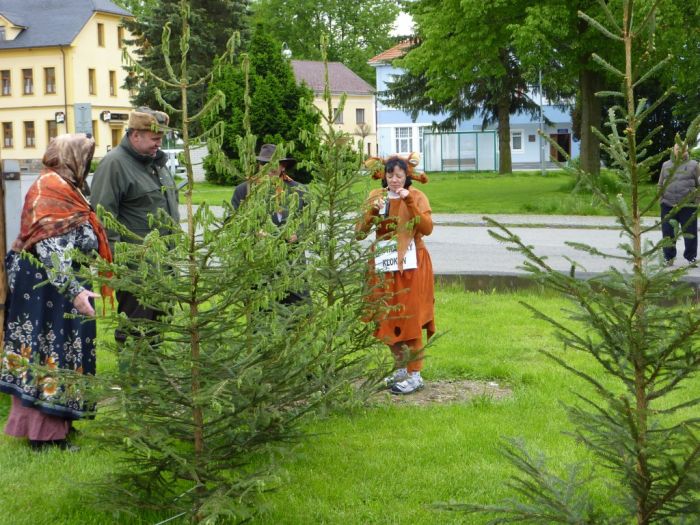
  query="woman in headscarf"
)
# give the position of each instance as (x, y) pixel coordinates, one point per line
(39, 339)
(402, 214)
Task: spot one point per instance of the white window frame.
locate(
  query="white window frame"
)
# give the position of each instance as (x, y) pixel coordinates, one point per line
(403, 142)
(421, 132)
(520, 132)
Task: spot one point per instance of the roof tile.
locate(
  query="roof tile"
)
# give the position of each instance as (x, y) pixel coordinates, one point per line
(341, 78)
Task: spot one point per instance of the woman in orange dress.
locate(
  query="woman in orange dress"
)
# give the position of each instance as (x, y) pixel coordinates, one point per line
(402, 213)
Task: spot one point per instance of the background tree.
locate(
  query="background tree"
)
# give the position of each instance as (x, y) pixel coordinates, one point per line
(464, 67)
(215, 21)
(356, 31)
(638, 323)
(280, 108)
(552, 40)
(676, 35)
(138, 8)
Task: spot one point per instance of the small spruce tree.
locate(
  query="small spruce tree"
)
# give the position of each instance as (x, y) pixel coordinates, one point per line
(641, 326)
(219, 383)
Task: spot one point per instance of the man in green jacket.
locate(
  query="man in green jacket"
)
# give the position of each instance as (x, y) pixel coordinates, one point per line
(133, 182)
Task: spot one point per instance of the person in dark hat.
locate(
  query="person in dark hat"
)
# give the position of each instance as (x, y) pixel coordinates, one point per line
(279, 216)
(267, 151)
(133, 182)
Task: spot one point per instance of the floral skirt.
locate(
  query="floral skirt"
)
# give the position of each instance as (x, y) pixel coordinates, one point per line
(39, 342)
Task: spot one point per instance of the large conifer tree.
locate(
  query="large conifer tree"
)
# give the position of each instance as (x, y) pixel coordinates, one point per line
(213, 23)
(280, 108)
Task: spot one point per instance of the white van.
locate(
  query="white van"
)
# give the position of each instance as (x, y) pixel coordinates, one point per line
(173, 163)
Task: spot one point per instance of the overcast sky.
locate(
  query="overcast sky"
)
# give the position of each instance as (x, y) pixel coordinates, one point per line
(403, 25)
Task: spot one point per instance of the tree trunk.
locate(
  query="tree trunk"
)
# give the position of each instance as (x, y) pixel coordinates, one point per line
(589, 83)
(505, 164)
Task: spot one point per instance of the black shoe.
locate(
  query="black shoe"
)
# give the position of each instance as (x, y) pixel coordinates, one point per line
(60, 444)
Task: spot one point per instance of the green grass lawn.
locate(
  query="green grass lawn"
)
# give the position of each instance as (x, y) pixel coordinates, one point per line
(383, 464)
(520, 192)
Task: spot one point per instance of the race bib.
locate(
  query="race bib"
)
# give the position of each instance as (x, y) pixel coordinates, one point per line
(387, 257)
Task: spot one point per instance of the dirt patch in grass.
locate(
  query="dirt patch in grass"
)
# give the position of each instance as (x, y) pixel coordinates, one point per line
(448, 391)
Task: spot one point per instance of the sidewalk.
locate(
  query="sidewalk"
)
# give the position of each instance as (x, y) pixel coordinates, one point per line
(534, 221)
(526, 221)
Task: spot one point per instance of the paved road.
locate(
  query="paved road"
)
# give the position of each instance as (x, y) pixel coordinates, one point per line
(460, 243)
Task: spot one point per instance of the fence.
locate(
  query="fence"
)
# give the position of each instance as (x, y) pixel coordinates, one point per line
(460, 151)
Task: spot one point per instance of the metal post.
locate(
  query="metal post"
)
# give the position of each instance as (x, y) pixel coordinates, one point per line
(476, 164)
(3, 276)
(541, 125)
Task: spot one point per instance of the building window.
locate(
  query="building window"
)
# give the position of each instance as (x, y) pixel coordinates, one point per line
(120, 37)
(338, 116)
(101, 35)
(516, 141)
(51, 129)
(29, 137)
(2, 32)
(6, 83)
(421, 132)
(113, 83)
(360, 116)
(404, 140)
(49, 80)
(92, 88)
(28, 81)
(7, 135)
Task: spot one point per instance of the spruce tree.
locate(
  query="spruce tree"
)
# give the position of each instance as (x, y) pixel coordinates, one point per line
(212, 391)
(640, 325)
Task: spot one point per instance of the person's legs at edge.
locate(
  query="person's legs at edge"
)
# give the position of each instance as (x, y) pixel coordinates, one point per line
(688, 219)
(667, 232)
(409, 353)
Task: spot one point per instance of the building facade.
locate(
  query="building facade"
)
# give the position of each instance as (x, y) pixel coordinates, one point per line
(468, 147)
(60, 72)
(357, 117)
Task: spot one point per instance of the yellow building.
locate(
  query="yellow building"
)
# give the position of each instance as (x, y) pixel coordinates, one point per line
(358, 117)
(60, 72)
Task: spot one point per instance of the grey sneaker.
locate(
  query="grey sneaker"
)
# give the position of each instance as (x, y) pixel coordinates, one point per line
(400, 374)
(408, 386)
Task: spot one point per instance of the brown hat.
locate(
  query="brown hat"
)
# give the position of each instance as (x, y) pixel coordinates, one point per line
(266, 153)
(146, 119)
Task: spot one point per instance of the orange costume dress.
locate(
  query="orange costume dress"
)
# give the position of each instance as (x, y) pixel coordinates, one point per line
(409, 293)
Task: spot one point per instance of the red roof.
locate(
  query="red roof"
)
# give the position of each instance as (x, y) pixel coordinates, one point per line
(390, 54)
(341, 78)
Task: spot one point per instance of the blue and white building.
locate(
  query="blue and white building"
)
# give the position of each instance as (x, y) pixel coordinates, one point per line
(468, 147)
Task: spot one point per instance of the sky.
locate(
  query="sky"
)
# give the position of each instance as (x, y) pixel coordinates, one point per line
(403, 25)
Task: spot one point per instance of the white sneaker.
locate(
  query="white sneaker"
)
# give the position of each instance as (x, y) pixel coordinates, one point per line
(408, 386)
(400, 374)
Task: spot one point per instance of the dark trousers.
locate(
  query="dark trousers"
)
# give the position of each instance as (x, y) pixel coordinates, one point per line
(688, 221)
(133, 310)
